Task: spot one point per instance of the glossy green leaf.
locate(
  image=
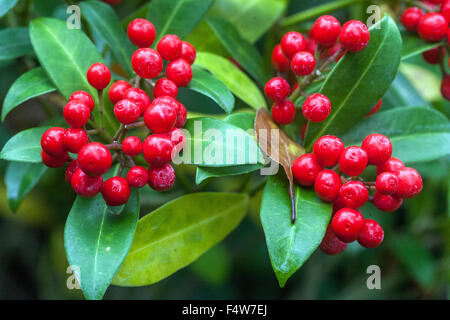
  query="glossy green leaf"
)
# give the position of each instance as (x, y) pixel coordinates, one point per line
(413, 45)
(208, 85)
(20, 178)
(97, 241)
(240, 49)
(215, 143)
(101, 17)
(29, 85)
(401, 93)
(14, 43)
(66, 55)
(236, 80)
(25, 146)
(425, 81)
(176, 16)
(358, 81)
(418, 134)
(6, 5)
(176, 234)
(290, 245)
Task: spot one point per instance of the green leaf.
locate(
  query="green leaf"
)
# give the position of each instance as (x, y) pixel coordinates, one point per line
(14, 43)
(20, 178)
(6, 5)
(290, 245)
(358, 81)
(66, 55)
(237, 81)
(97, 241)
(208, 85)
(176, 234)
(29, 85)
(418, 134)
(215, 143)
(402, 93)
(240, 49)
(176, 16)
(425, 81)
(104, 20)
(25, 146)
(413, 46)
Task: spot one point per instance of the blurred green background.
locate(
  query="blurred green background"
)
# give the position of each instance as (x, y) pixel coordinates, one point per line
(414, 258)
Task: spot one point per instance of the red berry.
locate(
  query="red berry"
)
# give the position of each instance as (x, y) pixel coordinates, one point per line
(76, 113)
(326, 30)
(283, 112)
(445, 9)
(303, 129)
(141, 32)
(305, 169)
(75, 139)
(138, 97)
(354, 36)
(126, 111)
(311, 46)
(52, 142)
(376, 108)
(169, 47)
(303, 63)
(165, 87)
(353, 161)
(71, 169)
(160, 117)
(137, 177)
(432, 27)
(188, 52)
(328, 150)
(54, 162)
(433, 56)
(85, 97)
(277, 89)
(95, 159)
(157, 149)
(99, 76)
(181, 115)
(371, 235)
(327, 185)
(279, 60)
(392, 165)
(84, 185)
(293, 42)
(378, 148)
(132, 146)
(386, 183)
(338, 204)
(316, 107)
(409, 183)
(353, 194)
(445, 87)
(179, 71)
(347, 224)
(116, 191)
(161, 178)
(410, 18)
(176, 135)
(147, 63)
(117, 90)
(385, 202)
(112, 2)
(331, 244)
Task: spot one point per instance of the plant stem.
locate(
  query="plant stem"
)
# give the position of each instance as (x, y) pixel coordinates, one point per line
(135, 125)
(114, 146)
(100, 108)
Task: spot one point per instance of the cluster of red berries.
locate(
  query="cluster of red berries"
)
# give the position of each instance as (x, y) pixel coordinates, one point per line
(432, 26)
(163, 116)
(299, 54)
(342, 186)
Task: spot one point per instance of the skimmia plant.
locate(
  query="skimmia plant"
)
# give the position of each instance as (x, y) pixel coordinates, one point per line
(291, 107)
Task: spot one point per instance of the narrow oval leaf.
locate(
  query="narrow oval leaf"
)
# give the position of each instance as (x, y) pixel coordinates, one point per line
(25, 146)
(104, 20)
(237, 81)
(20, 178)
(97, 241)
(290, 245)
(418, 134)
(29, 85)
(402, 93)
(240, 49)
(176, 234)
(176, 16)
(208, 85)
(413, 46)
(14, 43)
(358, 81)
(6, 5)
